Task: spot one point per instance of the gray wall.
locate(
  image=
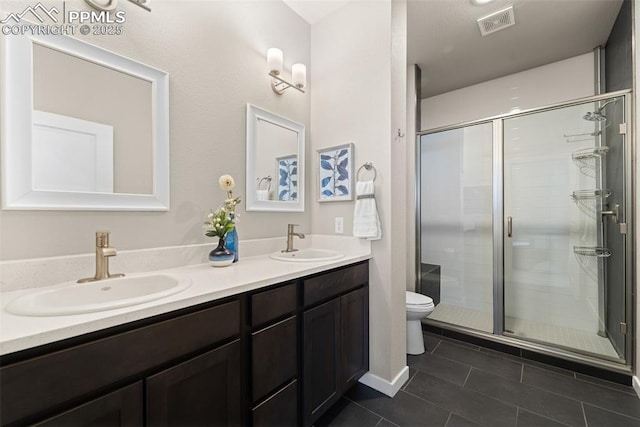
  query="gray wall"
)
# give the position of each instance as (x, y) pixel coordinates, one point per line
(618, 76)
(618, 60)
(215, 54)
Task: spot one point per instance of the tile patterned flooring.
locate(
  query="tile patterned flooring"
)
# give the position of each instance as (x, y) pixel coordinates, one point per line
(456, 384)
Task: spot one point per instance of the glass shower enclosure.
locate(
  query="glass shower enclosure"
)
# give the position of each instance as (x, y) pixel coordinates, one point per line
(525, 227)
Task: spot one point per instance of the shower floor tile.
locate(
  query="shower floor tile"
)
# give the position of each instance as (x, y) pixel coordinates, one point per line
(576, 339)
(462, 316)
(566, 337)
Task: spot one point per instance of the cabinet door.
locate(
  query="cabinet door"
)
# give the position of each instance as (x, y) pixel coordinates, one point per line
(355, 337)
(203, 391)
(117, 409)
(321, 359)
(71, 373)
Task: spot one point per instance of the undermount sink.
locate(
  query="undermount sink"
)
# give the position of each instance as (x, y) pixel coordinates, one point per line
(76, 298)
(308, 255)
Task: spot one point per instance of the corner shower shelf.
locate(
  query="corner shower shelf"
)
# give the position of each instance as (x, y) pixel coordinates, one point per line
(594, 251)
(589, 201)
(590, 194)
(577, 137)
(587, 159)
(589, 153)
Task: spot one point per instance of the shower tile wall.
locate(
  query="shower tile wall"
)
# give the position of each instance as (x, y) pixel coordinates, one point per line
(456, 181)
(556, 82)
(545, 281)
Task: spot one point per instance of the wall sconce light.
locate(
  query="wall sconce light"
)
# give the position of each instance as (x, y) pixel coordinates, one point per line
(274, 68)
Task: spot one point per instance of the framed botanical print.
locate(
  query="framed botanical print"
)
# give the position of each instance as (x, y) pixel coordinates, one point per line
(335, 173)
(287, 168)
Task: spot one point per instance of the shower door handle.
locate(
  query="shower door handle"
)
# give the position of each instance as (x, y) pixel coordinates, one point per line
(615, 213)
(509, 226)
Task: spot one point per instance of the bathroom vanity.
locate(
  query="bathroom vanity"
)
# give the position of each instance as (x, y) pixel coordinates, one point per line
(278, 355)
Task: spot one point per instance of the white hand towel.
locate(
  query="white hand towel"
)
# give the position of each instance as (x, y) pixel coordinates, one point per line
(366, 223)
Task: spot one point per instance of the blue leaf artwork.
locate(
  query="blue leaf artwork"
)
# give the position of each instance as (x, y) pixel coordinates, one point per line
(335, 179)
(288, 178)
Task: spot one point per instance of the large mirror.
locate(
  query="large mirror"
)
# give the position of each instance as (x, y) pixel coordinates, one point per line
(83, 128)
(275, 162)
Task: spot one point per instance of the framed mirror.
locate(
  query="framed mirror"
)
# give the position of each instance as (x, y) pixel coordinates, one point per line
(96, 141)
(275, 162)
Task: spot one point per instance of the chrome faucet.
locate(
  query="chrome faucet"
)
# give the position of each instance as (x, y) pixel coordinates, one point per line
(103, 252)
(290, 234)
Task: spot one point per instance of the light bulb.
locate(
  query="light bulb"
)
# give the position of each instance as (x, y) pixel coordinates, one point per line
(274, 61)
(299, 75)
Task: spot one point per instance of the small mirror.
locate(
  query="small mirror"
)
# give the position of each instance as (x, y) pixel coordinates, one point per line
(97, 141)
(275, 162)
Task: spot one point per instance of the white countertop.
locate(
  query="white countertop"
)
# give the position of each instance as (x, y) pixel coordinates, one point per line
(207, 284)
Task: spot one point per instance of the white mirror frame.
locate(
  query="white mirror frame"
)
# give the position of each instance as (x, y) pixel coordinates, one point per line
(16, 122)
(253, 204)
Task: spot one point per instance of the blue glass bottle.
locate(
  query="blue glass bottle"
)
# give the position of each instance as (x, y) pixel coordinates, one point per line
(231, 240)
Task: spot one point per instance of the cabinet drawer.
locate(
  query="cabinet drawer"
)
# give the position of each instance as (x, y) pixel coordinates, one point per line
(271, 304)
(43, 382)
(280, 410)
(274, 357)
(334, 283)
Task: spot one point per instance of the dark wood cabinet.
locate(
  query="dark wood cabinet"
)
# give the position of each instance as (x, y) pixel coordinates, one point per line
(321, 336)
(280, 356)
(335, 337)
(269, 305)
(274, 357)
(121, 408)
(203, 391)
(78, 381)
(62, 376)
(279, 410)
(355, 337)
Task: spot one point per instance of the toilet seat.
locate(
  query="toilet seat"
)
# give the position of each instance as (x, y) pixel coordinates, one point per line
(418, 300)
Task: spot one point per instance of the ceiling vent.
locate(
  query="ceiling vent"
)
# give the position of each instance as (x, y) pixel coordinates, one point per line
(496, 21)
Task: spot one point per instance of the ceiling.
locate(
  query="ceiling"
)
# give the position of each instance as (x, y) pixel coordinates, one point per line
(444, 38)
(445, 41)
(314, 10)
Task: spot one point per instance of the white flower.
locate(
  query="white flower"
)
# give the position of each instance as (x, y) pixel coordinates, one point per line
(226, 182)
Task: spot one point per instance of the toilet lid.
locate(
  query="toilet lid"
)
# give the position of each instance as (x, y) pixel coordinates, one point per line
(418, 299)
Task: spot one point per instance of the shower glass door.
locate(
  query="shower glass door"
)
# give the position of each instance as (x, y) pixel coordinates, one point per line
(456, 212)
(564, 275)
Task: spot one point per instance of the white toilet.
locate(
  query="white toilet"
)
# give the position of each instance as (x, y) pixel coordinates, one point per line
(418, 307)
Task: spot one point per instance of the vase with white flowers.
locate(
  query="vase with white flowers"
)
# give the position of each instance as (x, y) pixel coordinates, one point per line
(218, 224)
(227, 183)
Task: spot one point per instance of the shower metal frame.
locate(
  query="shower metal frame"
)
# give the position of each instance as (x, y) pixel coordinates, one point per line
(622, 365)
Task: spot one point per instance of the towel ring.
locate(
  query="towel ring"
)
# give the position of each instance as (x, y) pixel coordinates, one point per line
(368, 166)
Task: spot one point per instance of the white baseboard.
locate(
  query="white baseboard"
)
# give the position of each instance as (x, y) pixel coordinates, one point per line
(636, 385)
(384, 386)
